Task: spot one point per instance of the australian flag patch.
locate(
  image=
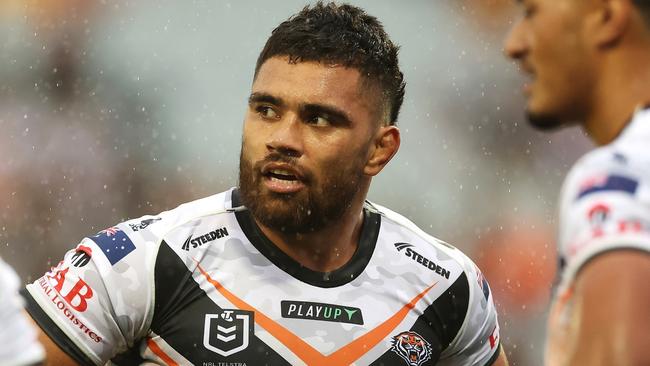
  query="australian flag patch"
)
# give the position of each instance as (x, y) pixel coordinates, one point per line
(608, 183)
(114, 243)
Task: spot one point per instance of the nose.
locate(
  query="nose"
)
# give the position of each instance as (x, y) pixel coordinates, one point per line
(286, 137)
(515, 45)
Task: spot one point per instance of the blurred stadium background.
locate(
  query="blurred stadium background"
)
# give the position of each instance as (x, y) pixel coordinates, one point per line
(111, 109)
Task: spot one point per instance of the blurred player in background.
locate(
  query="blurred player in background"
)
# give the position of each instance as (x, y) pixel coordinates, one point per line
(589, 63)
(294, 266)
(18, 342)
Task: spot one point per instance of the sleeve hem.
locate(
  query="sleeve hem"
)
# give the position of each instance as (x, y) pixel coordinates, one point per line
(637, 242)
(55, 333)
(495, 356)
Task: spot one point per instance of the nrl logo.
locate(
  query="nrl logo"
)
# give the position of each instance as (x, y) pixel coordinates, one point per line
(228, 332)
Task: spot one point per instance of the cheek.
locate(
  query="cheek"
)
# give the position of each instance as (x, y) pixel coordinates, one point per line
(332, 149)
(559, 45)
(252, 139)
(564, 75)
(349, 159)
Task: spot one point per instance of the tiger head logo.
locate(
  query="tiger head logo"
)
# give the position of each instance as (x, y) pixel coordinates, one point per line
(410, 346)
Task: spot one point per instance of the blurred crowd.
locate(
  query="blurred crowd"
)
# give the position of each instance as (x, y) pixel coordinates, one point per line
(114, 109)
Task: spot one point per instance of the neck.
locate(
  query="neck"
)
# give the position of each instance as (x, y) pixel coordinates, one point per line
(622, 87)
(327, 249)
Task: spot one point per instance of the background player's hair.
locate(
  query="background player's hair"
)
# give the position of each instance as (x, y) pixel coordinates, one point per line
(343, 35)
(644, 8)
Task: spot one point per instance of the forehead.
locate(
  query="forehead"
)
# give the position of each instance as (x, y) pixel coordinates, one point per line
(312, 82)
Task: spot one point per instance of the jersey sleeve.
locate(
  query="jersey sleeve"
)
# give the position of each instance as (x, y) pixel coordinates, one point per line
(16, 333)
(97, 302)
(605, 206)
(478, 341)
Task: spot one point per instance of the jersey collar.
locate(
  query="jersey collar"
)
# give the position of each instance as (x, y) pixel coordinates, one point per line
(339, 277)
(638, 125)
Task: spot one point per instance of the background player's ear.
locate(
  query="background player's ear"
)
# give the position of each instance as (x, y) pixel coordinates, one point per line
(609, 22)
(386, 144)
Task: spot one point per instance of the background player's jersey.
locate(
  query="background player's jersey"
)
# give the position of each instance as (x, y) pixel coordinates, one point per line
(18, 340)
(604, 206)
(202, 285)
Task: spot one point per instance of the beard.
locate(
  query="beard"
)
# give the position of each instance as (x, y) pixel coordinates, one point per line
(309, 210)
(544, 122)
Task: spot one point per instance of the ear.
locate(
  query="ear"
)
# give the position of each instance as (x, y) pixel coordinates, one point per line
(608, 23)
(386, 144)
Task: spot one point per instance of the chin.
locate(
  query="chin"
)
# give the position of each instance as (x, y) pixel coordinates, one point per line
(544, 121)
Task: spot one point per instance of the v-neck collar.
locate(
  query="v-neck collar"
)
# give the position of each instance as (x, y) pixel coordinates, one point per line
(348, 272)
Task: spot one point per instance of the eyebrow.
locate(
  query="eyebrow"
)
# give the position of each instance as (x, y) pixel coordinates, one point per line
(265, 98)
(336, 114)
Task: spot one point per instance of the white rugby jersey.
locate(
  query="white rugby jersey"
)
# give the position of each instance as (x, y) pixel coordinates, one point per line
(201, 285)
(604, 206)
(18, 339)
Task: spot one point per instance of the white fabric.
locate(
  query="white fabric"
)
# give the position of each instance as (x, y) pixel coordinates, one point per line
(18, 339)
(605, 201)
(104, 301)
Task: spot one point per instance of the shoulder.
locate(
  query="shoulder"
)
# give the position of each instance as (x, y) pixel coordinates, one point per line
(434, 258)
(130, 249)
(463, 313)
(417, 239)
(605, 203)
(147, 232)
(621, 165)
(160, 224)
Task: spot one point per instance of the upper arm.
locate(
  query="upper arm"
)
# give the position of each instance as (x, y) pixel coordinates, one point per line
(502, 360)
(605, 206)
(478, 341)
(604, 247)
(97, 301)
(610, 317)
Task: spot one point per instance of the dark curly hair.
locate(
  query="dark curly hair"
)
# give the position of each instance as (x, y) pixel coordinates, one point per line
(342, 35)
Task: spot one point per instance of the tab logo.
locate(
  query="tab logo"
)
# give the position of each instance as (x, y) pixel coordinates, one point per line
(320, 311)
(204, 239)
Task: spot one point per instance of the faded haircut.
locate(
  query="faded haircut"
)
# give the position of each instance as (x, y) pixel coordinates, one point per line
(343, 35)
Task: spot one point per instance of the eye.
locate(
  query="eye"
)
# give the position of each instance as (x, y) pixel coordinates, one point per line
(267, 112)
(319, 120)
(529, 11)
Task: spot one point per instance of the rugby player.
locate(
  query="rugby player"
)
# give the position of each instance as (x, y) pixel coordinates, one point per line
(294, 266)
(589, 63)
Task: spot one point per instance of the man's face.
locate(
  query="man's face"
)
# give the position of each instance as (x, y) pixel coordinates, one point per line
(307, 137)
(549, 44)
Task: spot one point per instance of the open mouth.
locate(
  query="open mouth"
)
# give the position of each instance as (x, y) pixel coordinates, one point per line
(413, 355)
(281, 175)
(282, 178)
